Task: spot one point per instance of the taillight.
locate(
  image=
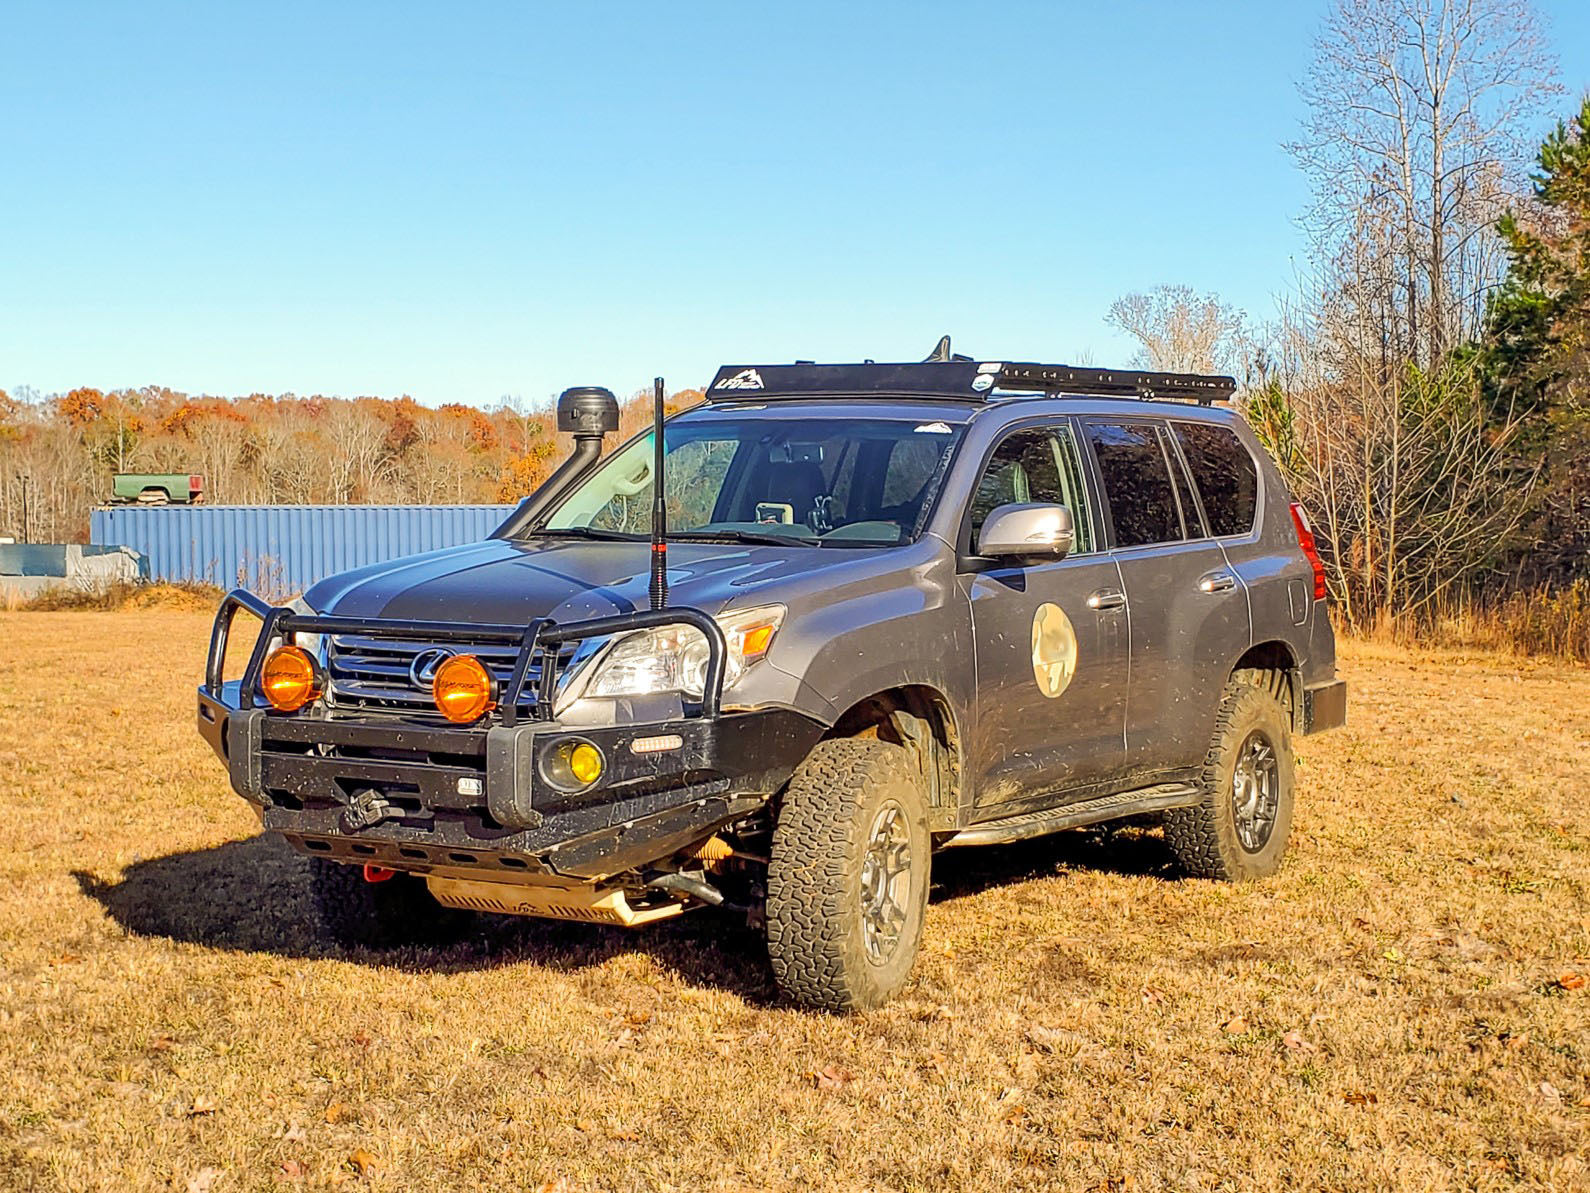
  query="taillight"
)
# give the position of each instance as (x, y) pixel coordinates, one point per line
(1305, 540)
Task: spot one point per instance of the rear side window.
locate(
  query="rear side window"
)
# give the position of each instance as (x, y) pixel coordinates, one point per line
(1137, 483)
(1226, 476)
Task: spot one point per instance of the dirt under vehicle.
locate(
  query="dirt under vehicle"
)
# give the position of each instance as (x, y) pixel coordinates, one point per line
(883, 610)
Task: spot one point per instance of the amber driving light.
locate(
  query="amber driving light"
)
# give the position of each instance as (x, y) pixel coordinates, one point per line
(463, 689)
(289, 680)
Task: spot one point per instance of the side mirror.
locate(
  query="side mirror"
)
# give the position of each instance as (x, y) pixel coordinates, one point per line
(1027, 530)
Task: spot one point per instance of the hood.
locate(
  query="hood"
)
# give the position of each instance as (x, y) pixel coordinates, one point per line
(511, 581)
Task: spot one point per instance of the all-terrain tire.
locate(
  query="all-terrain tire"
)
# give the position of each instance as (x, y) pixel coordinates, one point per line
(846, 791)
(1207, 838)
(378, 915)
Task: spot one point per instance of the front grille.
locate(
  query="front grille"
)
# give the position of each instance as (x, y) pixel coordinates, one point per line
(374, 674)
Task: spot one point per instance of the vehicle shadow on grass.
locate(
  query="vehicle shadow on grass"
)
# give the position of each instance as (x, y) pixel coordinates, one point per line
(253, 896)
(1129, 850)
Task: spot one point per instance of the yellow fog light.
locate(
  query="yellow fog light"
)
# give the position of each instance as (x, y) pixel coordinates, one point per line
(585, 762)
(289, 679)
(463, 689)
(572, 764)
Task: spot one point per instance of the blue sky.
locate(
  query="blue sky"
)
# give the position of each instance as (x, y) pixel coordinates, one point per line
(465, 201)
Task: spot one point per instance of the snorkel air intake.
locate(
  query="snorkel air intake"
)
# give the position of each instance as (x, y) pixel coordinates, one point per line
(588, 412)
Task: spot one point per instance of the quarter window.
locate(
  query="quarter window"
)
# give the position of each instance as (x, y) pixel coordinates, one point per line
(1226, 476)
(1137, 483)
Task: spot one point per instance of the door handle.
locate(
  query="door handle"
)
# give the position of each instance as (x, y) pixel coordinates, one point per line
(1217, 582)
(1107, 598)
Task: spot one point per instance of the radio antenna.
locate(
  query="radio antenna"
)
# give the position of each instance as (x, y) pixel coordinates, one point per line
(659, 506)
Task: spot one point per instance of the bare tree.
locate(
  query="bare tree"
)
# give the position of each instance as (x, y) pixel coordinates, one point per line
(1416, 137)
(1180, 331)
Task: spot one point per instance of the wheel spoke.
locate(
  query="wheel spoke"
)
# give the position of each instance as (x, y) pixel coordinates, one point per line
(885, 882)
(1255, 794)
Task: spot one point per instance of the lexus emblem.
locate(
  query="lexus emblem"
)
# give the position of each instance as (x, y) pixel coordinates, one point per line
(423, 669)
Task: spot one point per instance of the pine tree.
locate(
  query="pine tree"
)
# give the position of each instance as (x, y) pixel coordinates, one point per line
(1537, 351)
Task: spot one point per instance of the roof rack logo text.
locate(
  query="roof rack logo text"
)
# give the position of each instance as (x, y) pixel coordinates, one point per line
(744, 379)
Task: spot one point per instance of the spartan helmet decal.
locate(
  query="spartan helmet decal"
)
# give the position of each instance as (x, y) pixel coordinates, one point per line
(1054, 649)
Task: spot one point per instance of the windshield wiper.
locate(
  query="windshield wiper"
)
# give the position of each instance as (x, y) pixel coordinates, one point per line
(744, 536)
(587, 532)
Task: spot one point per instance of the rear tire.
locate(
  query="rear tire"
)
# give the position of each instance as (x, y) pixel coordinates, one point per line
(847, 881)
(356, 913)
(1238, 830)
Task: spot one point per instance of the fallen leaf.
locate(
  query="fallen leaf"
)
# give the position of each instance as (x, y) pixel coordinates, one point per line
(1358, 1097)
(363, 1162)
(1571, 980)
(204, 1180)
(585, 1125)
(1153, 996)
(66, 959)
(202, 1105)
(294, 1134)
(831, 1077)
(362, 1040)
(1295, 1041)
(1550, 1092)
(337, 1111)
(624, 1135)
(1235, 1026)
(638, 1018)
(556, 1185)
(161, 1044)
(292, 1170)
(1014, 1114)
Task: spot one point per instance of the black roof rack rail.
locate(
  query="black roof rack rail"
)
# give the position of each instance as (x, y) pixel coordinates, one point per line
(959, 379)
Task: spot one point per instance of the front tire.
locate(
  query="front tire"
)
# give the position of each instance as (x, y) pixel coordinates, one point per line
(847, 879)
(397, 911)
(1238, 830)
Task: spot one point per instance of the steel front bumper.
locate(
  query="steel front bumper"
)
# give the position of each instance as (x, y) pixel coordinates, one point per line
(412, 795)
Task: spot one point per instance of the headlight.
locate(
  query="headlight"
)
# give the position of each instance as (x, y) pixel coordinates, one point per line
(674, 658)
(310, 643)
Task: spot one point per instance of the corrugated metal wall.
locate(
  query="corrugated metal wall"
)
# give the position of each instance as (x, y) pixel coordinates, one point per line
(278, 550)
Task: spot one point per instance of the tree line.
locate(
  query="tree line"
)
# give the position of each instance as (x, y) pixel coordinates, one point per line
(1426, 384)
(58, 453)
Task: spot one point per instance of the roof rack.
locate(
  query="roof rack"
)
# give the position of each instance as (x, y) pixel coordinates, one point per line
(961, 379)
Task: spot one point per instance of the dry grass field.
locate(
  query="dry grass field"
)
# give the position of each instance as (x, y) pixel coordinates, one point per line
(1402, 1007)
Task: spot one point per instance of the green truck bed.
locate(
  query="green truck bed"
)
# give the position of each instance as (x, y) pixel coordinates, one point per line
(176, 488)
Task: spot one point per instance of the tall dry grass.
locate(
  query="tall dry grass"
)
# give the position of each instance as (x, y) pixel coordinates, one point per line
(184, 596)
(1548, 623)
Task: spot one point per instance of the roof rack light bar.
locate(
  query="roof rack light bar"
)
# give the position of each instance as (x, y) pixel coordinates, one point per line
(1129, 383)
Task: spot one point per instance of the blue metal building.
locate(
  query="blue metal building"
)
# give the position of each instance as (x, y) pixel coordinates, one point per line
(279, 550)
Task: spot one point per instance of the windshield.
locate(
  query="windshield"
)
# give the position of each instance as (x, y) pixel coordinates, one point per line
(821, 481)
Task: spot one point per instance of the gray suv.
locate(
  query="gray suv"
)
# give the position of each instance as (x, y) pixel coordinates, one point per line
(877, 611)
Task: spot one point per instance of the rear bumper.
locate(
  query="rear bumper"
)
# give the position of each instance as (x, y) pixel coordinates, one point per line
(1325, 706)
(414, 795)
